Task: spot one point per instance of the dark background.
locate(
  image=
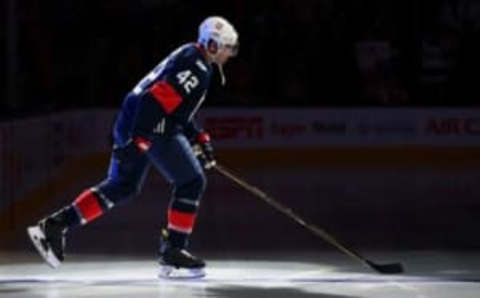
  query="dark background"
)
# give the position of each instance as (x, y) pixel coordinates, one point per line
(65, 55)
(73, 54)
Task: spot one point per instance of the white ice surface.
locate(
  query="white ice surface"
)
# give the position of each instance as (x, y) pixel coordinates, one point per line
(429, 274)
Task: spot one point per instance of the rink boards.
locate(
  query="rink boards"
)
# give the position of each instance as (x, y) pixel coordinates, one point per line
(366, 168)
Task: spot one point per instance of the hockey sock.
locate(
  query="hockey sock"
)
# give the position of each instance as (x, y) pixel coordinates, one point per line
(183, 211)
(89, 206)
(180, 226)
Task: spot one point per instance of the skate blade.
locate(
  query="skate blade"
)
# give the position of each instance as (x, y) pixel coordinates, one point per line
(36, 235)
(170, 272)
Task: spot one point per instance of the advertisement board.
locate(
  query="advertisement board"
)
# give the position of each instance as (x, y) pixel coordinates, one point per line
(287, 128)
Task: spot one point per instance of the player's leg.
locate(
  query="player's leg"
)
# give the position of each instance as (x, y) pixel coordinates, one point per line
(174, 158)
(127, 172)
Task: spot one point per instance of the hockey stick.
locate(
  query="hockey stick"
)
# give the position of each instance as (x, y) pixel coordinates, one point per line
(391, 268)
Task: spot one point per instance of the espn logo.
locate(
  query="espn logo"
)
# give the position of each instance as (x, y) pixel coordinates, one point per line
(226, 128)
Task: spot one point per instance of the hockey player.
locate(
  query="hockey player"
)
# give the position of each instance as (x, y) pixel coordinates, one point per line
(155, 127)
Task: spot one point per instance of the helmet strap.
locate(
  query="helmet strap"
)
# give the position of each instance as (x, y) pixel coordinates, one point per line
(212, 50)
(222, 74)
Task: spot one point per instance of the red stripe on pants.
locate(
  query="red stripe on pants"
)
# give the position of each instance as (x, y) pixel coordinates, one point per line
(88, 206)
(181, 221)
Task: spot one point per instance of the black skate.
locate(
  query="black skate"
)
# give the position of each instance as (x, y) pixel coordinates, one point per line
(177, 262)
(48, 236)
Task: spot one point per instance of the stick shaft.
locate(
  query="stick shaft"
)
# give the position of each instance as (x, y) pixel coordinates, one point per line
(289, 212)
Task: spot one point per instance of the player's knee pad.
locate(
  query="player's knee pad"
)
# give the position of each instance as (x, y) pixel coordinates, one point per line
(118, 192)
(193, 189)
(90, 205)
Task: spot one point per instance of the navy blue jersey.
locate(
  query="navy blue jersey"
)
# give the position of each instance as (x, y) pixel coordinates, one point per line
(173, 90)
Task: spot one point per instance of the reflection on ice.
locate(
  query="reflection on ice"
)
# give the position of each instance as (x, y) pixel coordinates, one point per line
(430, 275)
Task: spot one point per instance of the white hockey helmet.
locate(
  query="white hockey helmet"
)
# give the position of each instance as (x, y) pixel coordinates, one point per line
(219, 30)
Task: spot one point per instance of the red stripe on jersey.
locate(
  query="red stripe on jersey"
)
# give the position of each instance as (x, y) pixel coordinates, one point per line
(166, 95)
(88, 206)
(181, 221)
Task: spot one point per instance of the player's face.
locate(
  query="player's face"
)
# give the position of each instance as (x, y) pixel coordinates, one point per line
(222, 57)
(226, 53)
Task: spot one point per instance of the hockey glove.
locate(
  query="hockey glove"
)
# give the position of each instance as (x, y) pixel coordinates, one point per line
(133, 147)
(204, 151)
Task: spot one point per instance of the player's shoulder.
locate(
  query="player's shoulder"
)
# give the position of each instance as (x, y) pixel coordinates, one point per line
(191, 53)
(191, 50)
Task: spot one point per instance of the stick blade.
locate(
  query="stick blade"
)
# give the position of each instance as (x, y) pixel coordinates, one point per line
(393, 268)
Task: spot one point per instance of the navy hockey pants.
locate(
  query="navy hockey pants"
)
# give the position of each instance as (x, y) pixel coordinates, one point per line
(173, 157)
